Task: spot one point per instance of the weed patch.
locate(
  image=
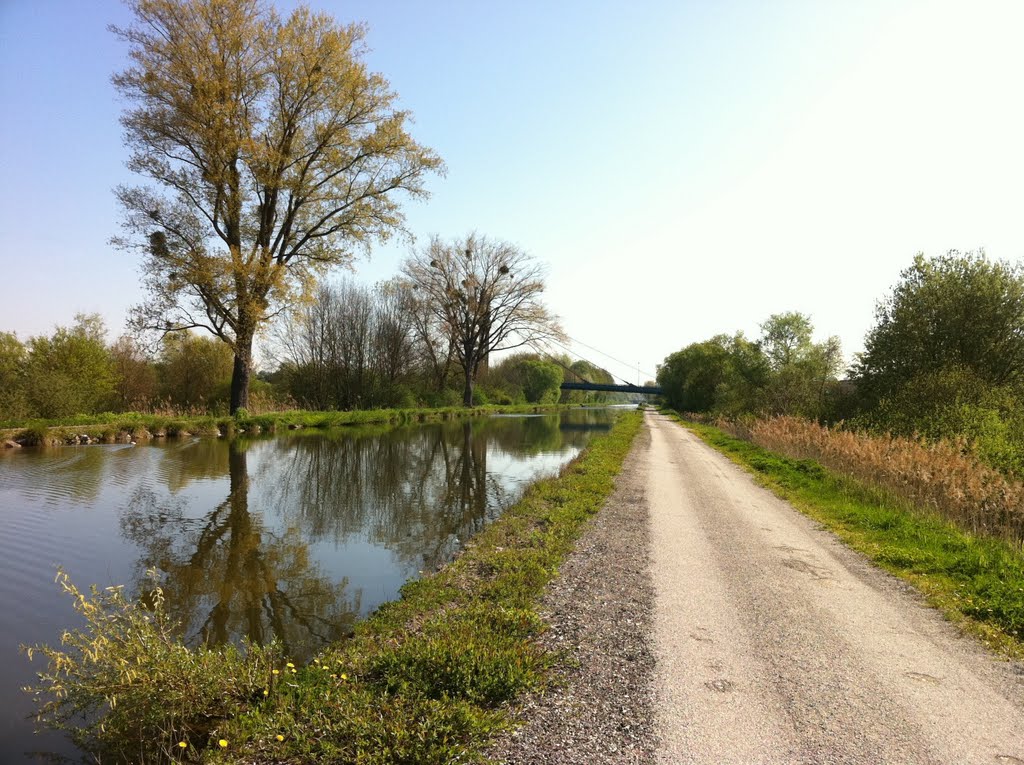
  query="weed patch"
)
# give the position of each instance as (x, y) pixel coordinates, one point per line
(945, 477)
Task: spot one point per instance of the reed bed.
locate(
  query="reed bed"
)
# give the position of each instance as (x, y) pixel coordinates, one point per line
(943, 477)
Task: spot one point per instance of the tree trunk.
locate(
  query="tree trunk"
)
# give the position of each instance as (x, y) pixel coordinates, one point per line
(240, 374)
(467, 392)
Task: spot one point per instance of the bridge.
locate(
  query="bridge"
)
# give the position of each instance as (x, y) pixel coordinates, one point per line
(651, 390)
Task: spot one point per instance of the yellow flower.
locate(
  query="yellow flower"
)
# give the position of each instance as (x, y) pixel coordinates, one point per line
(279, 737)
(223, 743)
(276, 672)
(344, 676)
(183, 744)
(290, 665)
(266, 692)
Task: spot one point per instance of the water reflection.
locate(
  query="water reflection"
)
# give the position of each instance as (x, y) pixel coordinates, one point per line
(409, 490)
(312, 531)
(229, 574)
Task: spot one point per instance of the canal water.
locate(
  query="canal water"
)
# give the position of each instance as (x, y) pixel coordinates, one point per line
(295, 536)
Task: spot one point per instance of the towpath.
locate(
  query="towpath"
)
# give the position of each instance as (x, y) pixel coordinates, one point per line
(774, 643)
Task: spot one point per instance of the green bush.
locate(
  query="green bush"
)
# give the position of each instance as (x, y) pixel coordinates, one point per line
(126, 687)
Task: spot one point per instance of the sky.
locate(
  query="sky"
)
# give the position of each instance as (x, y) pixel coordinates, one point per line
(682, 169)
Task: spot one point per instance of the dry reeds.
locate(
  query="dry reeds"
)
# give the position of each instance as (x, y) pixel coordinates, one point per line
(943, 477)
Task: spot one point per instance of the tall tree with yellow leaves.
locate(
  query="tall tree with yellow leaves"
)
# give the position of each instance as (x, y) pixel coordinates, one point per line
(272, 153)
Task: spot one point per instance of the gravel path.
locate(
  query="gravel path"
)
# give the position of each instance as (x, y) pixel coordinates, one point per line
(600, 610)
(777, 644)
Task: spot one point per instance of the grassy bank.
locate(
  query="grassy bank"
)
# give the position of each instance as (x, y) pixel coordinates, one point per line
(976, 581)
(111, 428)
(427, 679)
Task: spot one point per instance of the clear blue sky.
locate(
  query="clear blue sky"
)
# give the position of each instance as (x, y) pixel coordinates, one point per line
(683, 168)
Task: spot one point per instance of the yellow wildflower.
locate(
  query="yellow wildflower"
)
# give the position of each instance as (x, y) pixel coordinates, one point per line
(183, 744)
(344, 676)
(223, 743)
(279, 737)
(276, 672)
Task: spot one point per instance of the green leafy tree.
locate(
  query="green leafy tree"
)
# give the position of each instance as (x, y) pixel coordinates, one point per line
(802, 371)
(195, 371)
(747, 373)
(273, 154)
(723, 374)
(541, 381)
(71, 372)
(786, 338)
(689, 377)
(958, 310)
(13, 361)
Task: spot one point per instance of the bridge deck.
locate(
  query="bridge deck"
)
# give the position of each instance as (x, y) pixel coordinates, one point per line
(651, 390)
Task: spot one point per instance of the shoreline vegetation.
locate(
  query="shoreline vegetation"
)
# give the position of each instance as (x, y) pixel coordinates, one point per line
(133, 426)
(429, 678)
(975, 579)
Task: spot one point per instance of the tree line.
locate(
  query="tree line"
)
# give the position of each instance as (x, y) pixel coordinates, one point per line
(350, 346)
(75, 371)
(358, 346)
(943, 360)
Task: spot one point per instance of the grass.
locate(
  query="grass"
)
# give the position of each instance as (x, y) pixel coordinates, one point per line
(946, 477)
(977, 581)
(429, 678)
(110, 427)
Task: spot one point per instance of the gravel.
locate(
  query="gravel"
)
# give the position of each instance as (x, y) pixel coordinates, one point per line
(599, 609)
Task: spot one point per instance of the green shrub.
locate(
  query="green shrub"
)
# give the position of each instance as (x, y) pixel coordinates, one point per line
(125, 686)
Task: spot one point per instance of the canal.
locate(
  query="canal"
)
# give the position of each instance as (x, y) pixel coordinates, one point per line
(294, 537)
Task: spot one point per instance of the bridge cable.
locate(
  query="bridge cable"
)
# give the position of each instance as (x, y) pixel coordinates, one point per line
(580, 342)
(581, 358)
(570, 370)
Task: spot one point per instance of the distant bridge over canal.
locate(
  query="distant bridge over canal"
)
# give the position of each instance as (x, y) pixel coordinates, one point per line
(650, 390)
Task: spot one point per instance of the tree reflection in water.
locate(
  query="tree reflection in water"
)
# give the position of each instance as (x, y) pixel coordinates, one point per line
(229, 576)
(417, 491)
(254, 565)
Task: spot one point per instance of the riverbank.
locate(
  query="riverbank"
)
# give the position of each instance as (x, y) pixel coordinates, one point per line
(429, 678)
(599, 612)
(131, 427)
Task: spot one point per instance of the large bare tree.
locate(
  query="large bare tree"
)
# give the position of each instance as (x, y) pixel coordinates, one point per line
(273, 154)
(485, 294)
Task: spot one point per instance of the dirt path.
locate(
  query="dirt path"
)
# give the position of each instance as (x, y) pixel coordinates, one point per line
(776, 644)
